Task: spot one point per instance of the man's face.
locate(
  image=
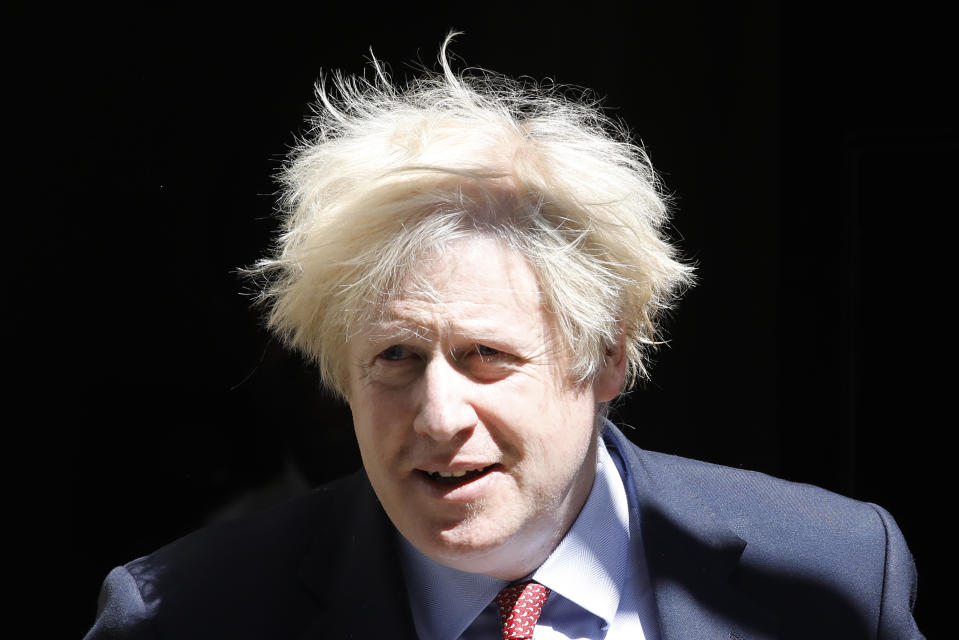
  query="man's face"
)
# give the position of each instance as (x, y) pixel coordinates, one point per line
(480, 449)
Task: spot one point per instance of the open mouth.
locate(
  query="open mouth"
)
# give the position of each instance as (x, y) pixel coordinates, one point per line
(456, 478)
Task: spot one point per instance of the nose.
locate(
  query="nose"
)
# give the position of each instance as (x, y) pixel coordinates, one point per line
(445, 409)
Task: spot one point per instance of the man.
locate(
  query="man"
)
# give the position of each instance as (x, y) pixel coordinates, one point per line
(477, 268)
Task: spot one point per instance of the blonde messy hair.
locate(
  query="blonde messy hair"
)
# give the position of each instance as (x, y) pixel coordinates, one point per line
(390, 176)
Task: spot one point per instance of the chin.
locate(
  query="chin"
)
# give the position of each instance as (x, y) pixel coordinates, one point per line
(468, 539)
(478, 545)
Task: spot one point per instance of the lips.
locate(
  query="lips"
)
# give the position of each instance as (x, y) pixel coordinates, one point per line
(460, 476)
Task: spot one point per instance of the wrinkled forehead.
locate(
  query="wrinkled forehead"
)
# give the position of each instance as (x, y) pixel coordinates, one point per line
(473, 284)
(469, 268)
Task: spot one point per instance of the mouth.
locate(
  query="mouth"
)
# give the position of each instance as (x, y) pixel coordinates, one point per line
(456, 478)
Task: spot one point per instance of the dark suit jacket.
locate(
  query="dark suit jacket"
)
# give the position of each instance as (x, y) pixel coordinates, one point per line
(731, 553)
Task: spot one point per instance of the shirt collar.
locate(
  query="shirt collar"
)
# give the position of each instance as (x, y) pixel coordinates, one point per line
(445, 601)
(590, 564)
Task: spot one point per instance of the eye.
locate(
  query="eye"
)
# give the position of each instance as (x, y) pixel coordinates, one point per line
(396, 352)
(394, 366)
(489, 364)
(487, 353)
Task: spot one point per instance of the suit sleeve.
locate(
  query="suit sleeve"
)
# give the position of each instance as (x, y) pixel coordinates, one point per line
(899, 584)
(121, 612)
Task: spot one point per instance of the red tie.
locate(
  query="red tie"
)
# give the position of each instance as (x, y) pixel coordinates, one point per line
(519, 609)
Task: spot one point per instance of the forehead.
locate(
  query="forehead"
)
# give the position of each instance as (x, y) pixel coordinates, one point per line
(474, 285)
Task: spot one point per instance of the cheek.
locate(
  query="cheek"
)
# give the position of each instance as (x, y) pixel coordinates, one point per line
(362, 430)
(574, 417)
(554, 431)
(378, 423)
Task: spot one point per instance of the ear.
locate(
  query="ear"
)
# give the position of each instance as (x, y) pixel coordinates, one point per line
(609, 381)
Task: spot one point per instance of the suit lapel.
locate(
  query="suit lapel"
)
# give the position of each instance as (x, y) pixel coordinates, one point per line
(692, 556)
(353, 569)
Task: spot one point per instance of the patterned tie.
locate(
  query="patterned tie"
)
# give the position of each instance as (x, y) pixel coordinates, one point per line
(519, 609)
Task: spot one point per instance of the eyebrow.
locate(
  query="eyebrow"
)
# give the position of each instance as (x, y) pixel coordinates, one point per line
(398, 329)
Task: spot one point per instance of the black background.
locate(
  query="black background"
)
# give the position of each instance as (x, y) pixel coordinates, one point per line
(808, 148)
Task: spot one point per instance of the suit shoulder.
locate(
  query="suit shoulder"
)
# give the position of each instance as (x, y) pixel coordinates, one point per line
(741, 491)
(789, 526)
(812, 535)
(240, 577)
(782, 512)
(288, 526)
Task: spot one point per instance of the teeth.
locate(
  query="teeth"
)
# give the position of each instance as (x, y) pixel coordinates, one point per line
(450, 474)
